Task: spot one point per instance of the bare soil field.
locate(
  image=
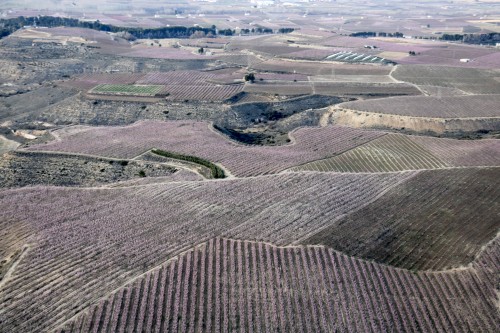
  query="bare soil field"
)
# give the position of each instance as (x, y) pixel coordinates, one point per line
(448, 216)
(466, 128)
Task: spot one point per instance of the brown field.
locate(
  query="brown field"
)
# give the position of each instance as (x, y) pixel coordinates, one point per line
(438, 219)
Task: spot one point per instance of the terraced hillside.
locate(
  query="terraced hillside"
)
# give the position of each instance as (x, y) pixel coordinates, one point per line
(238, 285)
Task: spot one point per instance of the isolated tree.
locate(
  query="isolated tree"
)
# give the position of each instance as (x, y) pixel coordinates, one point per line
(201, 50)
(250, 77)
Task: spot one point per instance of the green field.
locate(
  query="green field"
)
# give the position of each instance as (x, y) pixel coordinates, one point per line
(127, 89)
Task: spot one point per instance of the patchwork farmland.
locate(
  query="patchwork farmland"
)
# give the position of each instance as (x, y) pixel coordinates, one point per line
(253, 166)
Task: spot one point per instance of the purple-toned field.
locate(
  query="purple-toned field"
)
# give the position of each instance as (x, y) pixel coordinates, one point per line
(433, 107)
(179, 85)
(156, 188)
(312, 68)
(99, 239)
(162, 53)
(470, 80)
(450, 56)
(199, 139)
(251, 287)
(463, 152)
(313, 54)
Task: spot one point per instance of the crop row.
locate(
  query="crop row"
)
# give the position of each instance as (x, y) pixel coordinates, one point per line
(281, 88)
(197, 139)
(391, 152)
(127, 89)
(448, 216)
(471, 80)
(226, 285)
(177, 77)
(435, 107)
(163, 53)
(98, 239)
(462, 152)
(202, 92)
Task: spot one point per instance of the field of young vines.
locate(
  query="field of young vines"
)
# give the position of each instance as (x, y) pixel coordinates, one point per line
(228, 285)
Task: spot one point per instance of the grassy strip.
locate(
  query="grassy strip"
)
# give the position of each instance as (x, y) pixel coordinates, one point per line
(216, 171)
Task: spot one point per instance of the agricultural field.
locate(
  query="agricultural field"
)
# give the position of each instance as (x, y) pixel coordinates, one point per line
(249, 166)
(470, 80)
(199, 139)
(234, 284)
(434, 233)
(391, 152)
(476, 106)
(127, 90)
(290, 207)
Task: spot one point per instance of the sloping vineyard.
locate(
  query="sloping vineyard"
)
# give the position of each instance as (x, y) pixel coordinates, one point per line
(391, 152)
(462, 152)
(226, 285)
(438, 219)
(84, 243)
(197, 139)
(434, 107)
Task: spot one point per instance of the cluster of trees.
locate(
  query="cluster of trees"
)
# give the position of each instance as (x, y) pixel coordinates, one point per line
(8, 26)
(250, 77)
(259, 30)
(486, 39)
(375, 34)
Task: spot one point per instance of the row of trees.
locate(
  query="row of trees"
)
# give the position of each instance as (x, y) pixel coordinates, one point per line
(485, 39)
(8, 26)
(375, 34)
